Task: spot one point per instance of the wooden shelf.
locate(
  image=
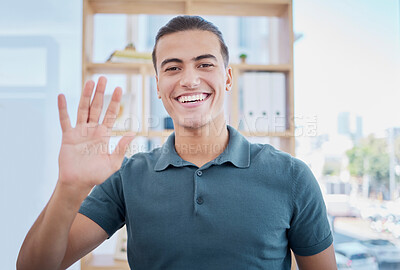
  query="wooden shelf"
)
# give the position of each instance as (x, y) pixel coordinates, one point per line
(209, 7)
(103, 262)
(284, 134)
(121, 68)
(269, 68)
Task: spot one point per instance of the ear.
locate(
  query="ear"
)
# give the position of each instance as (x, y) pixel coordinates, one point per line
(158, 89)
(229, 79)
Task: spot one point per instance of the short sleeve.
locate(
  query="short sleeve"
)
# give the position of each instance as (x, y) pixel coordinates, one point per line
(105, 204)
(309, 231)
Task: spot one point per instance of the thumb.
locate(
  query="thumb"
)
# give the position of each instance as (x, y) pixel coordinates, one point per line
(117, 156)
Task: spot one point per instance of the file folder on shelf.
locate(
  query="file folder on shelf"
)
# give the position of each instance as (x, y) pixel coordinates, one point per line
(263, 105)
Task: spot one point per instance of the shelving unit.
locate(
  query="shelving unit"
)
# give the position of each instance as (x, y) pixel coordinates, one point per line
(282, 61)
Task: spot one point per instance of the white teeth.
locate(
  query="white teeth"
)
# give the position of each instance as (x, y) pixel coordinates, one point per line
(194, 98)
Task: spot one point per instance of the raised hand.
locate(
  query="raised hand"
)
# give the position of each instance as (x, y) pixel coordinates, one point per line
(84, 159)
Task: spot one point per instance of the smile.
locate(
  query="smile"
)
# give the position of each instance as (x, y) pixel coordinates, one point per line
(193, 98)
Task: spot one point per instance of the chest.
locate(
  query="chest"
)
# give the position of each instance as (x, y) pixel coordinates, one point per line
(206, 209)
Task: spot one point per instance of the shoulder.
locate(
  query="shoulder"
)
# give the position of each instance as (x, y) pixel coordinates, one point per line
(281, 165)
(267, 155)
(142, 160)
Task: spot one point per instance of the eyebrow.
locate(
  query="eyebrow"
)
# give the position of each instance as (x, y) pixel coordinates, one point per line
(197, 58)
(204, 56)
(169, 60)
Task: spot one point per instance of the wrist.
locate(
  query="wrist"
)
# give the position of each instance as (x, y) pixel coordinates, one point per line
(72, 194)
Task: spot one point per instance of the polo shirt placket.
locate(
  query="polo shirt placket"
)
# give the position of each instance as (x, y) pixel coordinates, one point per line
(199, 190)
(237, 153)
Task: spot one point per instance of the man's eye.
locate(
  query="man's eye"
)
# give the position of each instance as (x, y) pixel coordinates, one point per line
(172, 69)
(205, 65)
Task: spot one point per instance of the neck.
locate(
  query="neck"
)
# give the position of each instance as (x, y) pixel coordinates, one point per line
(201, 145)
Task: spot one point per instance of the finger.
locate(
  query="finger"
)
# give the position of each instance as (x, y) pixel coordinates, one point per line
(113, 108)
(63, 113)
(119, 152)
(84, 103)
(97, 102)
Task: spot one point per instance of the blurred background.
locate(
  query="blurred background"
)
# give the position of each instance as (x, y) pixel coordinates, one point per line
(347, 113)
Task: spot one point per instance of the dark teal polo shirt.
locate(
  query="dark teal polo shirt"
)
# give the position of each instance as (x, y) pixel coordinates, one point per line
(242, 210)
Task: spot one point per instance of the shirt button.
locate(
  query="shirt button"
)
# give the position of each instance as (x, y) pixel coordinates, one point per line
(199, 200)
(199, 173)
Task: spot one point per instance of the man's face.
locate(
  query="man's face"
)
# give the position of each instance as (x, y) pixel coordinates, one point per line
(191, 78)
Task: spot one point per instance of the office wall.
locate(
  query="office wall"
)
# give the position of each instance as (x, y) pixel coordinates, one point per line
(40, 50)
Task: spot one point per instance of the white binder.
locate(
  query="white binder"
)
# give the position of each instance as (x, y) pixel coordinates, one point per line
(249, 95)
(264, 102)
(277, 107)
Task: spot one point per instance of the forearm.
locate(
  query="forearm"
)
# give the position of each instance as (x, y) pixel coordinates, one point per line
(45, 244)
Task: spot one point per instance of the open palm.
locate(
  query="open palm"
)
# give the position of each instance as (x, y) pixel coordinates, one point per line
(84, 159)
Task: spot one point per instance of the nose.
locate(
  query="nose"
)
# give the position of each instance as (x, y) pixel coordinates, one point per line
(190, 78)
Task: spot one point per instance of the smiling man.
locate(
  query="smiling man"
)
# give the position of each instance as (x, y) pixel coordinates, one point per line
(207, 199)
(192, 84)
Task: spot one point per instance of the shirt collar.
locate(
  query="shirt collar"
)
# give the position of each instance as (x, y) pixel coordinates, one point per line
(237, 152)
(168, 155)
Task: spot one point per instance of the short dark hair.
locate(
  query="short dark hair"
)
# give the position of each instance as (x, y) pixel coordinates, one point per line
(184, 23)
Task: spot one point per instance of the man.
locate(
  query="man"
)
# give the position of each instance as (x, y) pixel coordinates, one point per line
(207, 199)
